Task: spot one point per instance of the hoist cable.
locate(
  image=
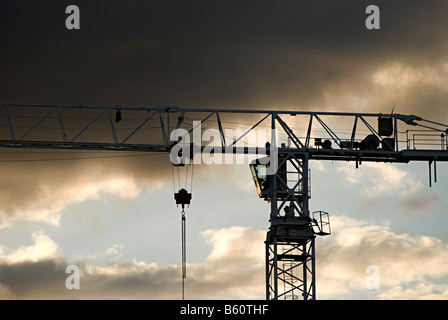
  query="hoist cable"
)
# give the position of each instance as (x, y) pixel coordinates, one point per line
(186, 175)
(191, 181)
(184, 251)
(174, 183)
(182, 201)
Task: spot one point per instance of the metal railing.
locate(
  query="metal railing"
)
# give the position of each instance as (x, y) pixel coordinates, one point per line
(426, 140)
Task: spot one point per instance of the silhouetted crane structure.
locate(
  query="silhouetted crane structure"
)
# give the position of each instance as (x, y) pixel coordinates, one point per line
(279, 168)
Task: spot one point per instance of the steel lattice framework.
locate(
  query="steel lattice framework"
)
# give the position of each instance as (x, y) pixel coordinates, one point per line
(290, 241)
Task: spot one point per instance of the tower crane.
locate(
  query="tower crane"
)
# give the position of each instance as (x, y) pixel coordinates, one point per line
(280, 169)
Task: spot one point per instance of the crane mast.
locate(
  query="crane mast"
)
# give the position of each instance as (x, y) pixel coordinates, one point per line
(279, 165)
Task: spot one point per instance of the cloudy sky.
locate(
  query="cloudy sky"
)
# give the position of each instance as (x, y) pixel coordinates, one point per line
(115, 217)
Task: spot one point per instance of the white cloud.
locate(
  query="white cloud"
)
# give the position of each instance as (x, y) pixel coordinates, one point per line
(233, 270)
(43, 248)
(377, 178)
(405, 262)
(423, 290)
(319, 166)
(52, 199)
(380, 183)
(115, 250)
(235, 243)
(397, 76)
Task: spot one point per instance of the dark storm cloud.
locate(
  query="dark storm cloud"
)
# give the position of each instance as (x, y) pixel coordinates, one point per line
(28, 278)
(248, 54)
